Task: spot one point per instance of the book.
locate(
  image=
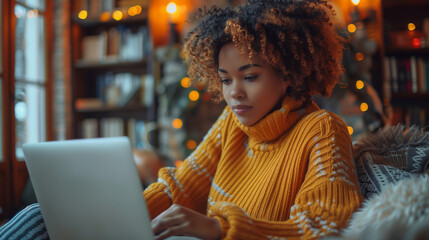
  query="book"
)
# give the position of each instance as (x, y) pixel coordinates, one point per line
(413, 74)
(131, 131)
(125, 98)
(427, 73)
(88, 103)
(113, 44)
(387, 88)
(112, 127)
(90, 128)
(394, 74)
(421, 75)
(129, 3)
(148, 90)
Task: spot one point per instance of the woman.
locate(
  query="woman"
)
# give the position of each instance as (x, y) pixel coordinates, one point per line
(273, 166)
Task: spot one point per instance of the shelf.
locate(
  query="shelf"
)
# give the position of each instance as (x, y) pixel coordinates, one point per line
(403, 3)
(409, 99)
(407, 52)
(96, 22)
(136, 111)
(115, 66)
(109, 56)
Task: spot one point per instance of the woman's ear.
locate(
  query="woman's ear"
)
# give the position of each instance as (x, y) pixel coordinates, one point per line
(285, 85)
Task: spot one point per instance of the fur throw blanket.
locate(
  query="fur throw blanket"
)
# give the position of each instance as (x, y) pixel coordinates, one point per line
(392, 168)
(400, 211)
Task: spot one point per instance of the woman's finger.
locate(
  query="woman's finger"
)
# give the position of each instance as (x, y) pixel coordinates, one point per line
(178, 230)
(167, 222)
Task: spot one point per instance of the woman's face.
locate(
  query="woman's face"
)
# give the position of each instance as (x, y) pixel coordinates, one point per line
(250, 88)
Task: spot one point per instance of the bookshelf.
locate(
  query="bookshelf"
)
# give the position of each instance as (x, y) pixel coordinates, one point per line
(406, 60)
(113, 70)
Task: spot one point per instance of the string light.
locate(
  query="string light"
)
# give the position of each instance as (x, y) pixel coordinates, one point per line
(191, 144)
(359, 56)
(416, 43)
(105, 16)
(132, 11)
(350, 130)
(138, 9)
(351, 27)
(82, 14)
(186, 82)
(117, 15)
(178, 163)
(171, 8)
(360, 84)
(411, 26)
(363, 107)
(194, 95)
(177, 123)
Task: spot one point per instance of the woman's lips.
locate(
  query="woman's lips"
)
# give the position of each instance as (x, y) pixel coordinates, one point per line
(241, 109)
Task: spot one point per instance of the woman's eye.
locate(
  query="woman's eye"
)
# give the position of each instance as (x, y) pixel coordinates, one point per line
(225, 80)
(250, 77)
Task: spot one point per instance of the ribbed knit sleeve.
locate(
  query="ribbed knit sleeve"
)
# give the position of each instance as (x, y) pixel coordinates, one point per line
(189, 185)
(326, 199)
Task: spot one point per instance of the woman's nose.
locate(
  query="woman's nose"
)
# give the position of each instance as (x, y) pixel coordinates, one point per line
(237, 91)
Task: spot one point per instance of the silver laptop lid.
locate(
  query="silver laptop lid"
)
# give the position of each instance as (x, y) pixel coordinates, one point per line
(88, 189)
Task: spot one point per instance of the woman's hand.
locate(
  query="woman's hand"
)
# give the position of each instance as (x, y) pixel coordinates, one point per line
(181, 221)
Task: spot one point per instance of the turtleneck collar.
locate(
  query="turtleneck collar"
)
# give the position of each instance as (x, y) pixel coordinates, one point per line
(277, 122)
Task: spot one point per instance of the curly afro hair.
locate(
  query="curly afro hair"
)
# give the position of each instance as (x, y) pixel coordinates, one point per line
(296, 37)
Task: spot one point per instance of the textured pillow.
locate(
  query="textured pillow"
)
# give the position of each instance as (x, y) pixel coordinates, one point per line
(391, 155)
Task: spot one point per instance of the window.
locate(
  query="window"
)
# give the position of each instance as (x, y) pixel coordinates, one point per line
(37, 4)
(29, 72)
(25, 83)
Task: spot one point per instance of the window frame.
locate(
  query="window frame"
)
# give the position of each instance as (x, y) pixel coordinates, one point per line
(13, 173)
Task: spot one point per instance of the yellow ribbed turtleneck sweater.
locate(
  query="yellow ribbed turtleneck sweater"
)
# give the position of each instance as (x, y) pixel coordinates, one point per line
(290, 175)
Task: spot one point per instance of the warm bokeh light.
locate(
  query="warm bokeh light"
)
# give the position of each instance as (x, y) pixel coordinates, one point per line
(411, 26)
(138, 9)
(359, 56)
(171, 8)
(351, 27)
(117, 15)
(186, 82)
(178, 163)
(132, 11)
(32, 13)
(416, 43)
(350, 130)
(364, 107)
(191, 144)
(360, 84)
(194, 95)
(160, 20)
(82, 14)
(355, 2)
(105, 16)
(177, 123)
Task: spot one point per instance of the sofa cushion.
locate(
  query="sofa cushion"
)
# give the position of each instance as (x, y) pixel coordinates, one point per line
(389, 156)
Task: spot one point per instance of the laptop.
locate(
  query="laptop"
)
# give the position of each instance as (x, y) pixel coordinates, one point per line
(89, 189)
